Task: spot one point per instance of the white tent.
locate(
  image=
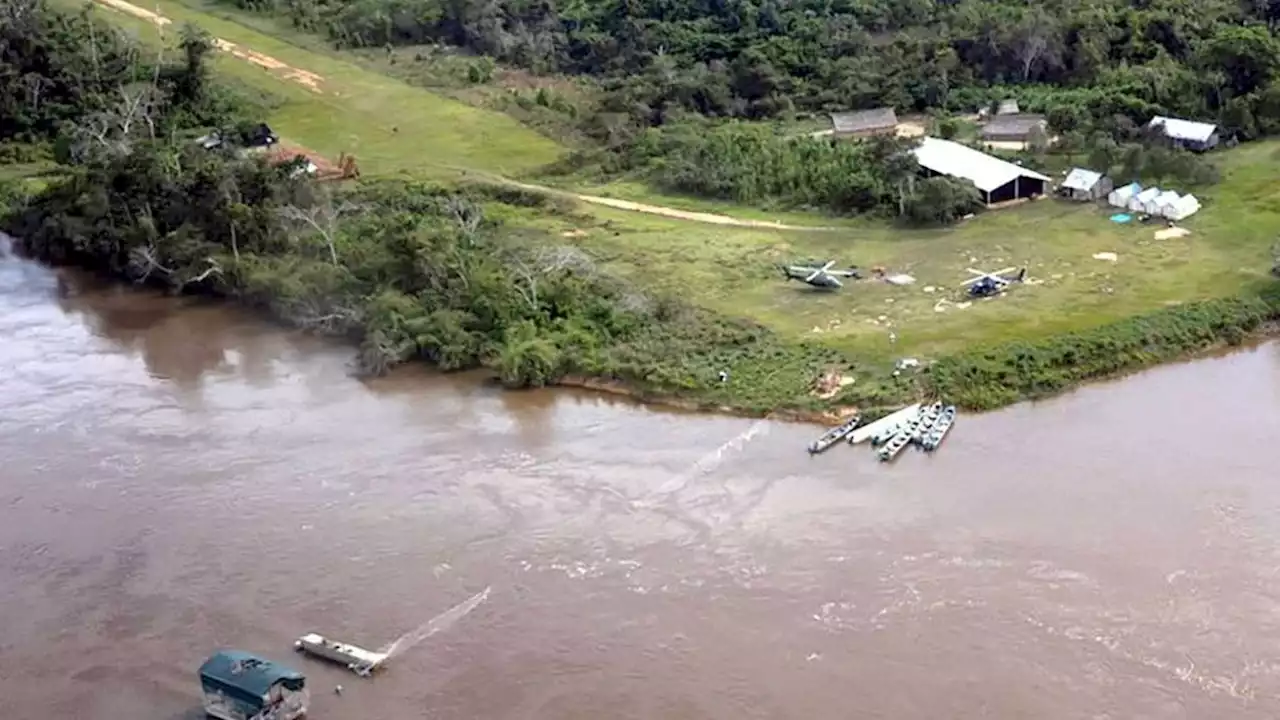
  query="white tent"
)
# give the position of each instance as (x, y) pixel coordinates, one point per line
(1155, 205)
(1121, 196)
(1139, 201)
(1184, 207)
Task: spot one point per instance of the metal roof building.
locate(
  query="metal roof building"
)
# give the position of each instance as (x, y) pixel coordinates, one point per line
(1188, 133)
(864, 122)
(1082, 184)
(1013, 128)
(238, 685)
(997, 179)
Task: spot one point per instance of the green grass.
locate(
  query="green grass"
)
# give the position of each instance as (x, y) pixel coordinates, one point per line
(439, 69)
(390, 126)
(732, 270)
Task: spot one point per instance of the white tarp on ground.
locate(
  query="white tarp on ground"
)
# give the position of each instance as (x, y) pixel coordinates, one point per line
(1121, 196)
(1185, 206)
(951, 158)
(1157, 204)
(1139, 201)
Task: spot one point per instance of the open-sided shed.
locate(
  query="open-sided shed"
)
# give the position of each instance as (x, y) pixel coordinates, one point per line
(997, 179)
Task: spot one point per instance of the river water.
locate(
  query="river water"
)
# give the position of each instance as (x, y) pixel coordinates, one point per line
(177, 477)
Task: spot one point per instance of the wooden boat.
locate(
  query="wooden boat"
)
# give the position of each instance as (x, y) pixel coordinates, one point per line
(940, 429)
(834, 435)
(888, 422)
(905, 436)
(887, 434)
(927, 421)
(890, 450)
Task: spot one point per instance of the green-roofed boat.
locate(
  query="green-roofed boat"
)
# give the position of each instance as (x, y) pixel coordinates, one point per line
(241, 686)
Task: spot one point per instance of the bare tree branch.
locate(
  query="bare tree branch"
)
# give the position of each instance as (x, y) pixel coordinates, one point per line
(544, 261)
(322, 218)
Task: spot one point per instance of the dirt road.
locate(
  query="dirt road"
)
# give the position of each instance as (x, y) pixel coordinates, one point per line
(315, 83)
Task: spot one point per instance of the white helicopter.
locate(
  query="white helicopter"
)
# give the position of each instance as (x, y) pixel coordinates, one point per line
(821, 277)
(985, 284)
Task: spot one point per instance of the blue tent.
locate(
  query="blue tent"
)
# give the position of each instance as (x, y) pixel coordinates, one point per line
(238, 684)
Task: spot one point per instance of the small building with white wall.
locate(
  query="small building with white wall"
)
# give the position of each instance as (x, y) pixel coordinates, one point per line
(1121, 196)
(1138, 202)
(1085, 185)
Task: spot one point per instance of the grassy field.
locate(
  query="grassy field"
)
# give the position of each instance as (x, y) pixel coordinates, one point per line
(394, 127)
(390, 126)
(733, 270)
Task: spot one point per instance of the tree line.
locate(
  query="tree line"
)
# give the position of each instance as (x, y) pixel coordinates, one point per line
(1210, 59)
(406, 270)
(1098, 70)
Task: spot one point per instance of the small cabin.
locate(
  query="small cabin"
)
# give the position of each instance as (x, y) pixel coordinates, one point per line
(1196, 136)
(865, 123)
(1014, 130)
(240, 686)
(1085, 185)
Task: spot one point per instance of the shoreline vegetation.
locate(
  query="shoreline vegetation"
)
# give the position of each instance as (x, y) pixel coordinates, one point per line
(99, 168)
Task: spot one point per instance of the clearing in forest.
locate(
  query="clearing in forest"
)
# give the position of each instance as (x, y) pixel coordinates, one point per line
(335, 106)
(730, 265)
(735, 271)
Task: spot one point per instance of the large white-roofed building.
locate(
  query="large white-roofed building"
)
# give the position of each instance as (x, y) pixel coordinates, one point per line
(996, 179)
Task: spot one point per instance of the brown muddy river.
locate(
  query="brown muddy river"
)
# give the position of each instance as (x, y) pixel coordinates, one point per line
(177, 478)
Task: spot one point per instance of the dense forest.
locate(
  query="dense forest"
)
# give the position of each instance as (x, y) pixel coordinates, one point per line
(760, 58)
(1098, 69)
(406, 270)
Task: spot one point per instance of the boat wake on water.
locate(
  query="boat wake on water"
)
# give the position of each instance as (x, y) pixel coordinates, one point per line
(439, 623)
(706, 463)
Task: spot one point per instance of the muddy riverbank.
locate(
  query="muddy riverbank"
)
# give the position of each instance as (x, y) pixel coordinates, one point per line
(180, 477)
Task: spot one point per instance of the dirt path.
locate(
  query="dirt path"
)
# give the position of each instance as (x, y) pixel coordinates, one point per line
(314, 83)
(692, 216)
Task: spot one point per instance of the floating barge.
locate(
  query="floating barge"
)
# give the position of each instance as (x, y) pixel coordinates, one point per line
(834, 435)
(358, 660)
(240, 686)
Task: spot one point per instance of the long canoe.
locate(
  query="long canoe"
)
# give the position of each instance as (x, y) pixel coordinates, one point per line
(940, 429)
(834, 435)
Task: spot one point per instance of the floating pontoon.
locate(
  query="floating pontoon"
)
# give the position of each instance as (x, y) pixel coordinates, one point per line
(358, 660)
(240, 686)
